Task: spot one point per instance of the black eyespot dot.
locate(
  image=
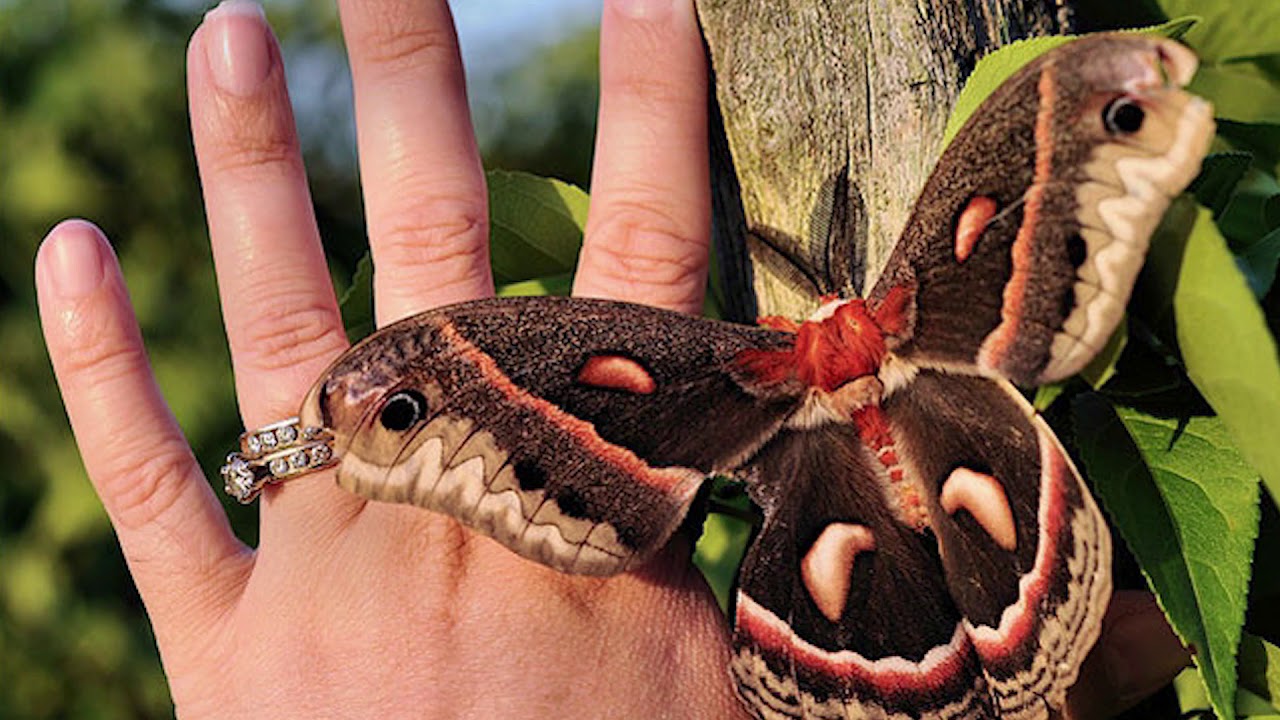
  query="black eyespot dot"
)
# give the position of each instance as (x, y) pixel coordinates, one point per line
(1123, 116)
(571, 503)
(403, 410)
(1077, 251)
(530, 475)
(1067, 302)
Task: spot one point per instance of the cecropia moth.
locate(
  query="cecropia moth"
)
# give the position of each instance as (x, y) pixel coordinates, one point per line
(928, 549)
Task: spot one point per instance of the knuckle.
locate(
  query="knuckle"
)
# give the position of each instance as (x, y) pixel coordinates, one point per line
(102, 362)
(291, 335)
(387, 41)
(146, 480)
(449, 240)
(91, 344)
(249, 151)
(652, 92)
(645, 249)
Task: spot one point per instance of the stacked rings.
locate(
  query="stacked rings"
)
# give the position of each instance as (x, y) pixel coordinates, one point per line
(277, 452)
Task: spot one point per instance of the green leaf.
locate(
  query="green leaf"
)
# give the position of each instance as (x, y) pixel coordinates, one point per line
(1258, 262)
(554, 285)
(1263, 141)
(1230, 28)
(1252, 707)
(1239, 91)
(357, 302)
(1046, 395)
(1103, 365)
(1227, 348)
(1187, 505)
(1219, 175)
(1260, 668)
(1254, 208)
(725, 535)
(1152, 300)
(993, 70)
(1175, 29)
(536, 225)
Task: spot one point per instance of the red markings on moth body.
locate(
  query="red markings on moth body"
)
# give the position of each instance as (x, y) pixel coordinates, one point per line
(846, 342)
(873, 429)
(973, 221)
(618, 373)
(838, 353)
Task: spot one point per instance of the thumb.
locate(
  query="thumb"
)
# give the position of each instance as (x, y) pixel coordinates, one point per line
(1136, 655)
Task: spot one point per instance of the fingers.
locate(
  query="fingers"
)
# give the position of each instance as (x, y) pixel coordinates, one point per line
(280, 313)
(424, 188)
(1137, 654)
(649, 223)
(183, 555)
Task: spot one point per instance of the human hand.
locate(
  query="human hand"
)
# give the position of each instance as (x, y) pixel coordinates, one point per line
(350, 608)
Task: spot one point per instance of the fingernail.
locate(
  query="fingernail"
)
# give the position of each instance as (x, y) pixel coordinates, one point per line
(73, 253)
(237, 47)
(645, 9)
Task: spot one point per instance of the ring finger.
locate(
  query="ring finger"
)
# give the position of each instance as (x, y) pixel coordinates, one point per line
(281, 316)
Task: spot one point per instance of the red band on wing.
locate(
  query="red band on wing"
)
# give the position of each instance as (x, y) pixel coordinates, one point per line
(617, 372)
(889, 676)
(673, 481)
(1000, 341)
(1019, 620)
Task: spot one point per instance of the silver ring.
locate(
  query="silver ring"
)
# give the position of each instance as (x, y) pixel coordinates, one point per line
(275, 453)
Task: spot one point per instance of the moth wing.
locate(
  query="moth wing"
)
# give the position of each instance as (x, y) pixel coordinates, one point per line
(576, 432)
(842, 609)
(1026, 551)
(1025, 243)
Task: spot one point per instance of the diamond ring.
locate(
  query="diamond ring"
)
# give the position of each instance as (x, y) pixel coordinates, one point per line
(280, 451)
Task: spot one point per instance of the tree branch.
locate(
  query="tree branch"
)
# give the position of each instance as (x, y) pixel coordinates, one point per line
(831, 115)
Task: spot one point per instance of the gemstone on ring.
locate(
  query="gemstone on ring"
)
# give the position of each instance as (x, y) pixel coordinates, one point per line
(275, 453)
(238, 478)
(287, 434)
(320, 454)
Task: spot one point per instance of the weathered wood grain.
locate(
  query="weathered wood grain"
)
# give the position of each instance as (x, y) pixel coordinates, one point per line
(832, 112)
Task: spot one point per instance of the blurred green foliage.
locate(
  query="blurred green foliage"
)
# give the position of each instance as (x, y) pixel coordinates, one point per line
(93, 124)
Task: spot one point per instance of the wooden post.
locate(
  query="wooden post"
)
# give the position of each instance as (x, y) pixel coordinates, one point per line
(830, 118)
